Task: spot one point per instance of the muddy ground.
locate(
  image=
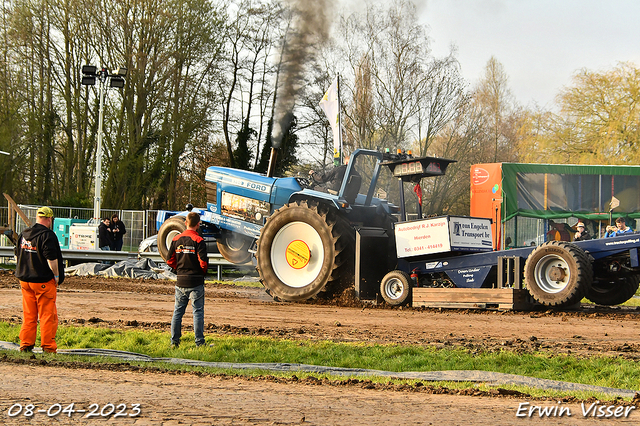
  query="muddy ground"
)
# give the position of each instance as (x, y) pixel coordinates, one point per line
(231, 310)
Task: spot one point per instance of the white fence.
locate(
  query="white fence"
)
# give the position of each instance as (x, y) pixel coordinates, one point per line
(139, 223)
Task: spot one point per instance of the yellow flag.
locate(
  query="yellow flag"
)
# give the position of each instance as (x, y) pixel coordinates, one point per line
(614, 202)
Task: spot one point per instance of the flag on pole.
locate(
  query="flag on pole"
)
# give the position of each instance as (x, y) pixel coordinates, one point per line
(418, 190)
(614, 203)
(330, 104)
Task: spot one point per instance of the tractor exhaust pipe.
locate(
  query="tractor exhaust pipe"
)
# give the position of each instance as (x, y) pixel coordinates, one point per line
(272, 162)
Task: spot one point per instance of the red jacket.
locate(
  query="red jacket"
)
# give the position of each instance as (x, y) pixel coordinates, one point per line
(188, 256)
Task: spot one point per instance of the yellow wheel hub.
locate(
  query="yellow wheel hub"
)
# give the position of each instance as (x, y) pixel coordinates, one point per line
(298, 254)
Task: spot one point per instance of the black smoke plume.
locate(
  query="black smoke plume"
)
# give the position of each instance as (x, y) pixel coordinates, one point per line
(310, 28)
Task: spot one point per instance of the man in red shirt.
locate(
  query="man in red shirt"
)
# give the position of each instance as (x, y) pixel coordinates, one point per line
(188, 256)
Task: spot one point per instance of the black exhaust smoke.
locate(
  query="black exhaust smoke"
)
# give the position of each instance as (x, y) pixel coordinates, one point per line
(310, 28)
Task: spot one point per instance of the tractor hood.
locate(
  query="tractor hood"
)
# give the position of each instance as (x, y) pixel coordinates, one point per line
(251, 181)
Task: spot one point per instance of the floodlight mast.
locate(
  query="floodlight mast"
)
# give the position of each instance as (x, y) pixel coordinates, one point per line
(90, 73)
(97, 199)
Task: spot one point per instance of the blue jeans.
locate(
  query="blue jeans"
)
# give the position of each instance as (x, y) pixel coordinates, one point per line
(196, 294)
(105, 248)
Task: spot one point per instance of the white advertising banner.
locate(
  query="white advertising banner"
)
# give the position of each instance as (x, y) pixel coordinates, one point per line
(470, 233)
(442, 234)
(422, 237)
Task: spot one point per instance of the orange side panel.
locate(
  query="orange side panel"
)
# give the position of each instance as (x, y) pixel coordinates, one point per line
(486, 196)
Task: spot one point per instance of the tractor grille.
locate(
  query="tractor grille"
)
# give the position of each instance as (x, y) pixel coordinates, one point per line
(212, 192)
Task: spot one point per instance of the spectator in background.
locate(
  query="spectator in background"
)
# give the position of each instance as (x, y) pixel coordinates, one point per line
(117, 231)
(105, 237)
(620, 228)
(581, 234)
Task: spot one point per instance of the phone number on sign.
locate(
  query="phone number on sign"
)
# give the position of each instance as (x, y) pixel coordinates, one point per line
(94, 410)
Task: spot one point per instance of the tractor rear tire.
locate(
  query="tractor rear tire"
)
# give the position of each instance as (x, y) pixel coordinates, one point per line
(234, 247)
(611, 292)
(558, 274)
(302, 247)
(395, 288)
(170, 228)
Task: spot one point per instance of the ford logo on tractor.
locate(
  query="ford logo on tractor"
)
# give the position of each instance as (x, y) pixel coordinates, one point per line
(256, 186)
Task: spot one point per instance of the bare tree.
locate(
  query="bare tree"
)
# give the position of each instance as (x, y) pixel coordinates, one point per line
(498, 106)
(252, 32)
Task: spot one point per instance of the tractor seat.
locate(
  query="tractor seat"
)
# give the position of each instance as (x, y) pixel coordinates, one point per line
(353, 188)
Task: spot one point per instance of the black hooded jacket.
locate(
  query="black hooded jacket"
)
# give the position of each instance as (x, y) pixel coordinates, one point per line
(105, 237)
(35, 246)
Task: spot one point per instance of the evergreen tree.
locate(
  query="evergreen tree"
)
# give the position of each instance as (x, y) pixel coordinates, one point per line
(242, 154)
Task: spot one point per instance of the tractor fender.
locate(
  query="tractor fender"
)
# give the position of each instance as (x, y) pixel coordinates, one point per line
(321, 197)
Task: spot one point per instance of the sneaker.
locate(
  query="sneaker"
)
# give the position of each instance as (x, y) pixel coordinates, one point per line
(26, 348)
(175, 345)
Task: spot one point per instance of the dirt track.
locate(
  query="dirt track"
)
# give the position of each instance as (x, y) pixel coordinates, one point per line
(246, 311)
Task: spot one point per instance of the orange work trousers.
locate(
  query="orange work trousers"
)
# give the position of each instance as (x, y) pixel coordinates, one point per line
(39, 300)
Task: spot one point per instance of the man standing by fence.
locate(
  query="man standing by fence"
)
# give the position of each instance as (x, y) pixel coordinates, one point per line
(188, 256)
(105, 236)
(117, 230)
(40, 270)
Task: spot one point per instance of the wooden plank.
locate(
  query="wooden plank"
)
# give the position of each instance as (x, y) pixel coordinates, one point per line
(13, 206)
(504, 295)
(502, 298)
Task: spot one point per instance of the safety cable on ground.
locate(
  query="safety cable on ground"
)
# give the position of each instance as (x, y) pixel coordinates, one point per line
(488, 377)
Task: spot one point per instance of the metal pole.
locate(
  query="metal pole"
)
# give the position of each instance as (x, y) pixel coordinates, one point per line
(403, 211)
(340, 124)
(98, 190)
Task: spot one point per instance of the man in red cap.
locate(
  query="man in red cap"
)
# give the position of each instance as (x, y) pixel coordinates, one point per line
(40, 270)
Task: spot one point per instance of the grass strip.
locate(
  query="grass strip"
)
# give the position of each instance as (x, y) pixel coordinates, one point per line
(600, 371)
(379, 382)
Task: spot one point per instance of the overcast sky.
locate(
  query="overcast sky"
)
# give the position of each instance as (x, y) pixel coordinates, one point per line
(540, 43)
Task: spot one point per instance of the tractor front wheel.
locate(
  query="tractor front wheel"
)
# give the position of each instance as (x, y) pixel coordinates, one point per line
(170, 228)
(234, 247)
(613, 291)
(395, 288)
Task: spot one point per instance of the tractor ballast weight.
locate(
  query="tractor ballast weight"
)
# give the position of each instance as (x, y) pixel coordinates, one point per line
(452, 257)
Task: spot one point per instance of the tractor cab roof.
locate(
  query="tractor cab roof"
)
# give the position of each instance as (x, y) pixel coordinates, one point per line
(412, 169)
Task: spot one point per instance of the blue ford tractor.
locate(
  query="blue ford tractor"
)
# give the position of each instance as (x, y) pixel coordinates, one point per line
(301, 234)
